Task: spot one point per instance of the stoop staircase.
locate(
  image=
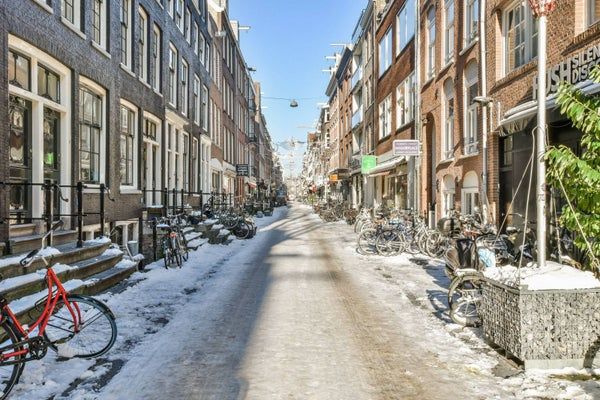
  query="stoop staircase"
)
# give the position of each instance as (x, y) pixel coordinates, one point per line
(89, 270)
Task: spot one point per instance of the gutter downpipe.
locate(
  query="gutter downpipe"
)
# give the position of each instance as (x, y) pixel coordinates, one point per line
(484, 109)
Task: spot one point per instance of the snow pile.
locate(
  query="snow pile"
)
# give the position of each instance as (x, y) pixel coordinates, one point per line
(197, 242)
(552, 277)
(224, 232)
(48, 251)
(113, 251)
(100, 240)
(219, 226)
(210, 222)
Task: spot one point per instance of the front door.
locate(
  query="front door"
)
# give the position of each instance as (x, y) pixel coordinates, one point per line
(20, 160)
(51, 157)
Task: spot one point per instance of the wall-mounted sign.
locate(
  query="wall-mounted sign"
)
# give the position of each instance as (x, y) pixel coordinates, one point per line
(368, 163)
(333, 178)
(406, 148)
(573, 70)
(242, 170)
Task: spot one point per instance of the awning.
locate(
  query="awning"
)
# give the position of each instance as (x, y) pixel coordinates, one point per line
(517, 118)
(386, 166)
(252, 185)
(385, 173)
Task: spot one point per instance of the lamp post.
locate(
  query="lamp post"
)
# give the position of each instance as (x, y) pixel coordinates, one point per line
(541, 9)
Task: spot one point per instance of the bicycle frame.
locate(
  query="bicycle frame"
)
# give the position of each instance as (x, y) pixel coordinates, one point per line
(42, 322)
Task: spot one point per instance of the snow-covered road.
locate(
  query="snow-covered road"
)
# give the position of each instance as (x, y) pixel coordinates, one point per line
(293, 314)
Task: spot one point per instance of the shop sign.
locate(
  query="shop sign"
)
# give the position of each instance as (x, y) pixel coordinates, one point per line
(333, 178)
(573, 70)
(242, 170)
(406, 148)
(368, 163)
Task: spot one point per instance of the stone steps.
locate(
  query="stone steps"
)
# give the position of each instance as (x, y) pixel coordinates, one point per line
(25, 244)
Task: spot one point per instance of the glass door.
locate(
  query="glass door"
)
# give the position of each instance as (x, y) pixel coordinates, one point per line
(51, 157)
(20, 160)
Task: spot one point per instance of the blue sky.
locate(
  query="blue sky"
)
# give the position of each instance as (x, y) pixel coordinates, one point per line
(287, 44)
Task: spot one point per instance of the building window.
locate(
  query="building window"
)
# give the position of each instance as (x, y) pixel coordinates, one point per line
(520, 35)
(593, 12)
(156, 56)
(19, 70)
(449, 188)
(196, 99)
(448, 141)
(385, 117)
(171, 7)
(470, 193)
(127, 145)
(195, 35)
(195, 161)
(99, 23)
(90, 135)
(185, 162)
(143, 45)
(405, 23)
(507, 151)
(405, 101)
(205, 108)
(471, 21)
(472, 108)
(449, 31)
(188, 24)
(48, 84)
(201, 49)
(179, 14)
(172, 76)
(71, 12)
(385, 52)
(126, 33)
(431, 43)
(184, 87)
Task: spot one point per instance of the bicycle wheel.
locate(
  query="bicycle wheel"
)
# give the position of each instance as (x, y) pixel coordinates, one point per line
(183, 249)
(366, 241)
(175, 253)
(242, 231)
(464, 297)
(388, 243)
(96, 328)
(167, 254)
(12, 366)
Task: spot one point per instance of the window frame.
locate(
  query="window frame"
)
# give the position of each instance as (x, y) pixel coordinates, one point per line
(385, 117)
(126, 34)
(173, 81)
(430, 28)
(530, 35)
(385, 52)
(92, 88)
(99, 34)
(449, 30)
(449, 116)
(133, 131)
(143, 44)
(184, 89)
(471, 24)
(406, 14)
(157, 57)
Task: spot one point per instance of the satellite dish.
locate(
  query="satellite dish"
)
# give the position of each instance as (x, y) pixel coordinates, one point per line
(293, 103)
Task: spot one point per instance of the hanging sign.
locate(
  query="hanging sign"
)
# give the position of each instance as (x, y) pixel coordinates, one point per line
(406, 148)
(368, 163)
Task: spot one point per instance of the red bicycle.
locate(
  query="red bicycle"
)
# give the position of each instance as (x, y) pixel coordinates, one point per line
(72, 325)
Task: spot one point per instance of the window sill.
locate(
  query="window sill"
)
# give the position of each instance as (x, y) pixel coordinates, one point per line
(126, 69)
(144, 82)
(404, 126)
(516, 73)
(101, 50)
(447, 65)
(129, 190)
(43, 5)
(469, 46)
(158, 93)
(429, 80)
(475, 154)
(72, 27)
(446, 161)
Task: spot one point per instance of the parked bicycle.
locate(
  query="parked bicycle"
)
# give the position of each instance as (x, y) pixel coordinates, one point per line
(70, 324)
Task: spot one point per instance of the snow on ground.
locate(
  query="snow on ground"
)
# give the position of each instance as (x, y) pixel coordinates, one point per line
(409, 285)
(146, 305)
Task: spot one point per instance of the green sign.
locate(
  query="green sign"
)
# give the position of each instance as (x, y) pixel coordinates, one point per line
(368, 163)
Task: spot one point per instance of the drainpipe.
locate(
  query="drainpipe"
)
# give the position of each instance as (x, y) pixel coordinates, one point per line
(484, 108)
(417, 116)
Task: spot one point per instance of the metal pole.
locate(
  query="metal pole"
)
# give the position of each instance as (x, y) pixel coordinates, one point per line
(102, 209)
(49, 211)
(540, 143)
(484, 110)
(79, 214)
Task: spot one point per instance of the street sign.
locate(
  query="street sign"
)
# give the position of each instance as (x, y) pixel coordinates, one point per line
(242, 170)
(368, 163)
(407, 148)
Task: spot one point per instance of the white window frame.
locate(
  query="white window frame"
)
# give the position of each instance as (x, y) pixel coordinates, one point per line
(171, 7)
(185, 90)
(529, 33)
(448, 137)
(195, 159)
(405, 101)
(100, 91)
(131, 107)
(385, 52)
(471, 21)
(431, 38)
(385, 117)
(173, 81)
(143, 43)
(75, 22)
(204, 100)
(196, 99)
(201, 51)
(471, 122)
(101, 41)
(195, 37)
(405, 25)
(178, 16)
(449, 30)
(590, 18)
(157, 57)
(126, 37)
(149, 143)
(188, 25)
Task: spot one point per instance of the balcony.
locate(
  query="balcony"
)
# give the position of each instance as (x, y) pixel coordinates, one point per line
(357, 117)
(357, 77)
